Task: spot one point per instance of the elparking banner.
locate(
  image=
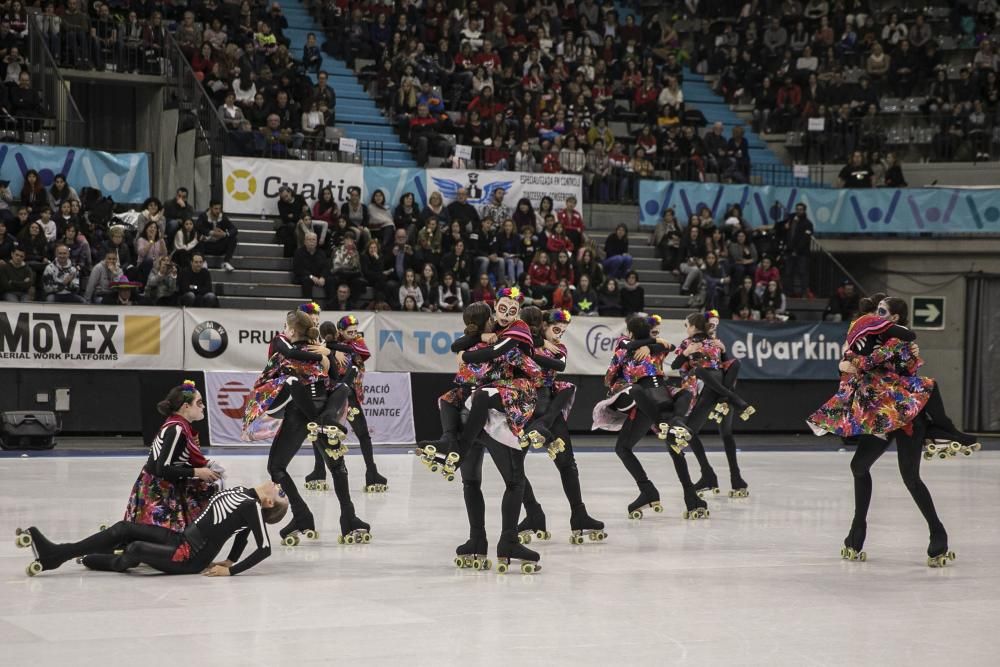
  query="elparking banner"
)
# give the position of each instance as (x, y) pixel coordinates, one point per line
(785, 351)
(481, 185)
(388, 407)
(37, 335)
(250, 185)
(221, 339)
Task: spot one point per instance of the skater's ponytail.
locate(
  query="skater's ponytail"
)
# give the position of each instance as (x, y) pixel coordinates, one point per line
(328, 331)
(476, 316)
(275, 514)
(532, 316)
(301, 324)
(177, 397)
(638, 326)
(698, 321)
(897, 306)
(869, 304)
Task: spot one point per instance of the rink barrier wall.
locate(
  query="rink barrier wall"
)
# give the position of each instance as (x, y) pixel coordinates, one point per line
(122, 403)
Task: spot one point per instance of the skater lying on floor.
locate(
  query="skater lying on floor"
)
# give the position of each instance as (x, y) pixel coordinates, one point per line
(236, 512)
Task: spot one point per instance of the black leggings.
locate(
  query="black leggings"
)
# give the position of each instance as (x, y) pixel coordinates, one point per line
(908, 447)
(151, 545)
(360, 427)
(510, 464)
(479, 413)
(569, 474)
(637, 424)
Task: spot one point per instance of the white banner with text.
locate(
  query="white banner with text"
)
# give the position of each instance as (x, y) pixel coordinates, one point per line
(39, 335)
(480, 186)
(388, 407)
(251, 185)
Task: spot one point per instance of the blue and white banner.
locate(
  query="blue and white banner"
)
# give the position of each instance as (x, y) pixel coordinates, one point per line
(394, 183)
(785, 351)
(122, 176)
(481, 184)
(832, 210)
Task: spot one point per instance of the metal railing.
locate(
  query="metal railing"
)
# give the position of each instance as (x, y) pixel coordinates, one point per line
(826, 273)
(58, 121)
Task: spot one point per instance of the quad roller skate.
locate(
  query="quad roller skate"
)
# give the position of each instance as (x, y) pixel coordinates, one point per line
(944, 449)
(937, 551)
(41, 547)
(740, 488)
(718, 412)
(375, 483)
(510, 551)
(696, 507)
(680, 436)
(437, 462)
(292, 534)
(473, 554)
(316, 481)
(354, 531)
(533, 524)
(352, 413)
(335, 435)
(747, 412)
(853, 543)
(534, 438)
(648, 497)
(556, 447)
(707, 485)
(583, 525)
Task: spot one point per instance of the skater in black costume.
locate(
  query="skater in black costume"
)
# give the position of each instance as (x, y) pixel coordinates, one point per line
(553, 404)
(894, 358)
(713, 402)
(638, 399)
(499, 410)
(347, 345)
(236, 512)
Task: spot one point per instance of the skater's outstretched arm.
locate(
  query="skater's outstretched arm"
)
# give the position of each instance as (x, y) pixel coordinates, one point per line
(255, 524)
(289, 351)
(550, 363)
(489, 353)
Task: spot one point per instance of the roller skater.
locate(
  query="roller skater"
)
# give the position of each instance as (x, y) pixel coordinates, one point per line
(639, 398)
(238, 511)
(881, 400)
(177, 481)
(553, 404)
(499, 409)
(473, 554)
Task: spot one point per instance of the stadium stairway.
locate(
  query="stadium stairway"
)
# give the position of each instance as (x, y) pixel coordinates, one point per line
(357, 114)
(766, 165)
(263, 278)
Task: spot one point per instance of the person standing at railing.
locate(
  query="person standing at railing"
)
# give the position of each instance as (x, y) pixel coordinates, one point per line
(50, 26)
(81, 44)
(794, 235)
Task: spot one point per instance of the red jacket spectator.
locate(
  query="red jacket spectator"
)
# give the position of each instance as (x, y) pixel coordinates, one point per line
(790, 95)
(646, 95)
(541, 274)
(489, 60)
(762, 276)
(554, 244)
(571, 221)
(564, 272)
(562, 298)
(486, 105)
(550, 163)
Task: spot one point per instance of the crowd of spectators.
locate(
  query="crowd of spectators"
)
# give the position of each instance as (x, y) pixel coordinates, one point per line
(19, 99)
(438, 258)
(747, 273)
(53, 248)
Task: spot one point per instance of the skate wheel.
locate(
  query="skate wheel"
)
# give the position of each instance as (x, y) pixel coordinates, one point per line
(487, 564)
(502, 568)
(706, 514)
(291, 541)
(543, 534)
(449, 478)
(635, 514)
(594, 537)
(349, 539)
(34, 567)
(527, 568)
(23, 540)
(943, 455)
(928, 455)
(366, 538)
(477, 564)
(459, 562)
(715, 492)
(434, 467)
(524, 538)
(602, 536)
(657, 508)
(311, 534)
(862, 556)
(967, 452)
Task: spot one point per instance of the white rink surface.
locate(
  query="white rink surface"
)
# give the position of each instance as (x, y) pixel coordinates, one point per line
(759, 583)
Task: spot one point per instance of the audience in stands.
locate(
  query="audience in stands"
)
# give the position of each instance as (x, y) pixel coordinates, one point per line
(194, 285)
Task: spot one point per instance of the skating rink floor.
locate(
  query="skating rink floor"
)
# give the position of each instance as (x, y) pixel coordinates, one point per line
(761, 582)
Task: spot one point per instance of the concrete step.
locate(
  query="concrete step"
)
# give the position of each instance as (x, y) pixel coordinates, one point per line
(253, 224)
(666, 301)
(252, 263)
(259, 303)
(671, 313)
(259, 249)
(257, 277)
(256, 236)
(281, 291)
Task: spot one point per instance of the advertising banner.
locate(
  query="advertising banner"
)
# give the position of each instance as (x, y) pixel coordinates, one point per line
(122, 176)
(832, 210)
(785, 351)
(220, 339)
(416, 342)
(38, 335)
(388, 407)
(250, 185)
(591, 340)
(395, 182)
(481, 184)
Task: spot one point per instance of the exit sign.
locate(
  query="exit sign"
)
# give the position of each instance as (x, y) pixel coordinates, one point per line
(927, 312)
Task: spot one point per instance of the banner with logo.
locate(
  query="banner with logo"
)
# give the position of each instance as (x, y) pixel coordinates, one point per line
(832, 210)
(481, 184)
(417, 342)
(395, 182)
(388, 407)
(250, 185)
(35, 335)
(122, 176)
(220, 339)
(785, 351)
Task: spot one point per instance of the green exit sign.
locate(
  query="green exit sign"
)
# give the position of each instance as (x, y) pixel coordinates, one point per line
(927, 312)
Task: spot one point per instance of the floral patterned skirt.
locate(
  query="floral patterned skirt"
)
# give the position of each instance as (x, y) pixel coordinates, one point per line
(173, 505)
(872, 404)
(518, 399)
